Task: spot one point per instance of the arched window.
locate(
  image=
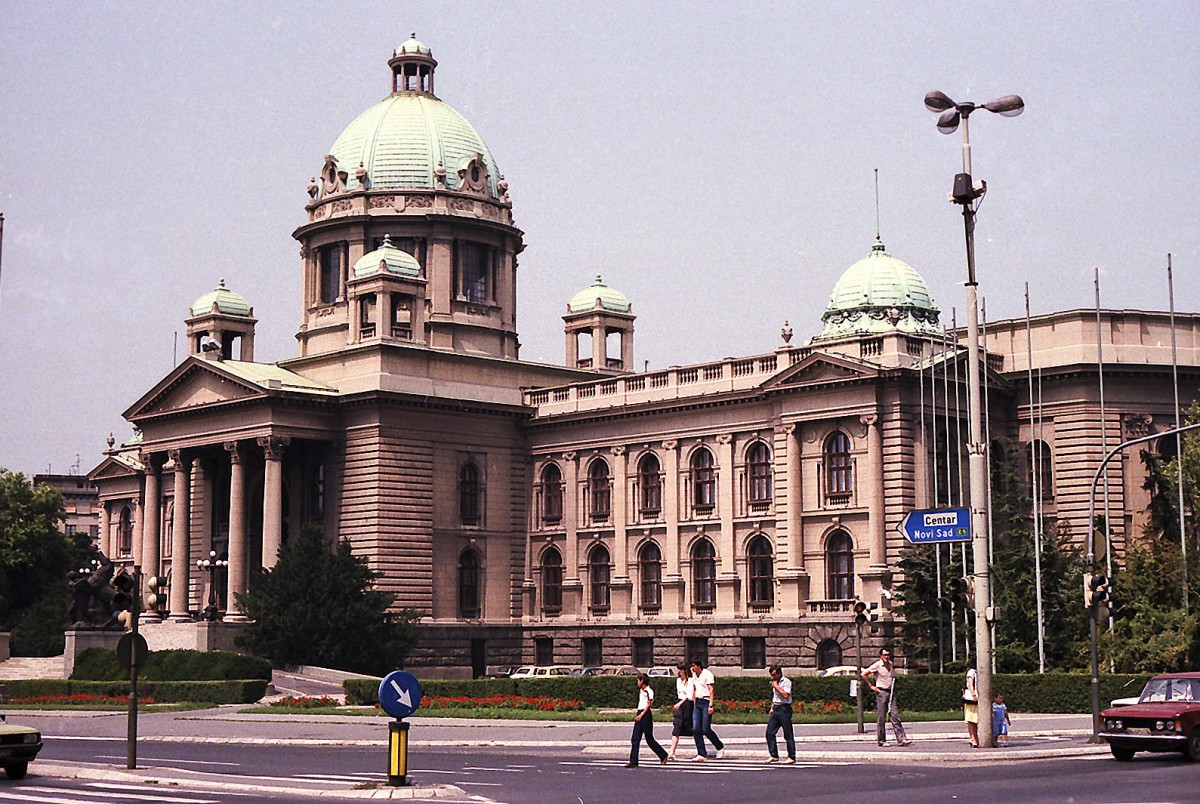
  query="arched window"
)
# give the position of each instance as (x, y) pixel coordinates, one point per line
(599, 571)
(599, 489)
(552, 577)
(649, 485)
(125, 532)
(839, 477)
(650, 573)
(704, 480)
(468, 494)
(761, 569)
(704, 574)
(829, 654)
(552, 495)
(839, 566)
(758, 472)
(468, 585)
(1042, 462)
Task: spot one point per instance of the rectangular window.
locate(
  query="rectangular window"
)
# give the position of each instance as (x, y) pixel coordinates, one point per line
(474, 271)
(329, 272)
(593, 651)
(71, 530)
(697, 648)
(754, 653)
(543, 648)
(94, 531)
(643, 651)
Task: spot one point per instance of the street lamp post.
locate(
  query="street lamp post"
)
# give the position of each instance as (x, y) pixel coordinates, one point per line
(965, 193)
(212, 565)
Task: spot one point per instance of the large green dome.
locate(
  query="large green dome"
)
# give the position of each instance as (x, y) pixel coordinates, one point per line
(402, 140)
(880, 294)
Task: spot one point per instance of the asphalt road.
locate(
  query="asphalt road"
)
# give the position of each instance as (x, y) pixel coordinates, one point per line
(558, 775)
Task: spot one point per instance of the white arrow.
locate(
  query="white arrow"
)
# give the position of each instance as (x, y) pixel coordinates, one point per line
(402, 694)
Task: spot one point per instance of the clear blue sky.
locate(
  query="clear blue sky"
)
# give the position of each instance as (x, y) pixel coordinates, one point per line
(713, 161)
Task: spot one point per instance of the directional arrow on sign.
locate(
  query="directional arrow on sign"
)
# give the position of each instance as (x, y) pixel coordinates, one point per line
(402, 694)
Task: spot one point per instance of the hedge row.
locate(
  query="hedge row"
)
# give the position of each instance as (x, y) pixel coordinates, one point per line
(100, 664)
(1026, 692)
(216, 692)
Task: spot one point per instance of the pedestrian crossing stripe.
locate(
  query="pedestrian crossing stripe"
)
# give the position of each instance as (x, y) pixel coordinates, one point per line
(100, 796)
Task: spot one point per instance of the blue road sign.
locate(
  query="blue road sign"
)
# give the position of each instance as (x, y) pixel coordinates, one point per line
(937, 526)
(400, 694)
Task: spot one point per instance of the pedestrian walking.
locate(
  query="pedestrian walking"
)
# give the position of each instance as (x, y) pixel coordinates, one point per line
(781, 716)
(704, 691)
(970, 700)
(643, 724)
(885, 699)
(681, 715)
(1000, 721)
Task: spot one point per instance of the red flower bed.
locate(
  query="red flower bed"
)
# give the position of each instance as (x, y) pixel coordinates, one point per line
(307, 702)
(539, 703)
(80, 698)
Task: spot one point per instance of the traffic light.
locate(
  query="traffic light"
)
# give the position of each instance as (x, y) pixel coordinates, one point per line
(860, 613)
(123, 597)
(156, 600)
(962, 592)
(1095, 590)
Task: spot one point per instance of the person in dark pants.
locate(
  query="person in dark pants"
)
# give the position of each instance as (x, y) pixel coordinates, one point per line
(704, 688)
(643, 724)
(682, 715)
(781, 716)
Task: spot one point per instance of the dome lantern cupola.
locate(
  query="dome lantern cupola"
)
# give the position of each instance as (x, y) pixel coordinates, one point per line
(599, 329)
(412, 67)
(218, 321)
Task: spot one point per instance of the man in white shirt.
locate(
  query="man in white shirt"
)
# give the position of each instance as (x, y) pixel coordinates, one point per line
(781, 716)
(704, 688)
(885, 702)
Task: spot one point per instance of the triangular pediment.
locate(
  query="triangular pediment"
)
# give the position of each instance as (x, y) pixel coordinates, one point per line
(195, 383)
(821, 367)
(112, 467)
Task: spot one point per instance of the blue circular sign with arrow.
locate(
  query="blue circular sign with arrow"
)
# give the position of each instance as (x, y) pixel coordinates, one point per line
(400, 694)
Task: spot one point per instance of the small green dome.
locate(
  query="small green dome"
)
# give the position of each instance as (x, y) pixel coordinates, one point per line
(880, 294)
(608, 299)
(412, 46)
(228, 302)
(404, 139)
(387, 258)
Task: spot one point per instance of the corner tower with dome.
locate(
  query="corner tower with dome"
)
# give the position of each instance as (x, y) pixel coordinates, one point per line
(588, 513)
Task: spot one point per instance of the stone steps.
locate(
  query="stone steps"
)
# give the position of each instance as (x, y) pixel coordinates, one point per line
(32, 667)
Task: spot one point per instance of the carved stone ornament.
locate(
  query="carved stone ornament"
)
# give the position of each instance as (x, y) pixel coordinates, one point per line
(361, 174)
(868, 420)
(810, 435)
(234, 449)
(462, 204)
(419, 201)
(790, 428)
(570, 455)
(670, 443)
(724, 438)
(384, 202)
(313, 188)
(331, 178)
(473, 175)
(341, 206)
(273, 446)
(1138, 424)
(618, 450)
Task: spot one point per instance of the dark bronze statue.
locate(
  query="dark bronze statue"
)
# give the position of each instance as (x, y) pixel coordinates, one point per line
(91, 597)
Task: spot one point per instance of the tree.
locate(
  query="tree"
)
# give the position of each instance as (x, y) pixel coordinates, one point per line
(318, 605)
(34, 559)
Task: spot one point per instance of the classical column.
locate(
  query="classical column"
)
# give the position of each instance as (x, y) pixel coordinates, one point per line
(237, 527)
(599, 347)
(726, 484)
(795, 496)
(273, 447)
(873, 488)
(672, 567)
(200, 528)
(572, 511)
(180, 533)
(105, 530)
(151, 516)
(620, 510)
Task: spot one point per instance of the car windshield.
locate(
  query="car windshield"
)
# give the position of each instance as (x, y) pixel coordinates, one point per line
(1171, 689)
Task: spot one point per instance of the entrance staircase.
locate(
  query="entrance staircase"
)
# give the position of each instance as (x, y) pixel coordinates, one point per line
(32, 667)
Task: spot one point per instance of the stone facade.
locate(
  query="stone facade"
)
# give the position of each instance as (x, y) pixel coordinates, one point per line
(585, 514)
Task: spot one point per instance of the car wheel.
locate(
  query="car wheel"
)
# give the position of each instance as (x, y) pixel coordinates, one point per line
(1191, 751)
(1122, 754)
(16, 770)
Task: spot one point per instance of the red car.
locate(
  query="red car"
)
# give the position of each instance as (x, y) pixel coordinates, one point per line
(1165, 718)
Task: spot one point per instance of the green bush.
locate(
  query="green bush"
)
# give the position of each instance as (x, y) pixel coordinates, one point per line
(1068, 693)
(100, 664)
(217, 692)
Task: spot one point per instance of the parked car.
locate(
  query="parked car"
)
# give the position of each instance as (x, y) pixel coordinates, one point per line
(499, 671)
(1166, 718)
(551, 670)
(523, 672)
(840, 670)
(661, 672)
(586, 671)
(619, 670)
(18, 747)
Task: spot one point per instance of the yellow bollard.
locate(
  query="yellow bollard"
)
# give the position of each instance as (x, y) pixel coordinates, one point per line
(398, 753)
